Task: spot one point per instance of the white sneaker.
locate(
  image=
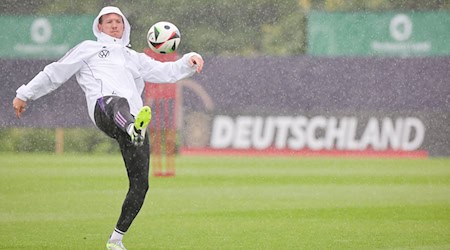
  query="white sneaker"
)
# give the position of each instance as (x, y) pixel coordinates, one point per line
(115, 245)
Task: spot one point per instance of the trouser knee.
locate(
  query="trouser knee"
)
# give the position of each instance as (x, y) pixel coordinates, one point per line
(140, 188)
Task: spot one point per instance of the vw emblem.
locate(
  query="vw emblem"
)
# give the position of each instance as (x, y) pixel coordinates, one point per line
(104, 53)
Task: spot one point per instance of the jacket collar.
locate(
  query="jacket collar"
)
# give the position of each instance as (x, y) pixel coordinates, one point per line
(104, 38)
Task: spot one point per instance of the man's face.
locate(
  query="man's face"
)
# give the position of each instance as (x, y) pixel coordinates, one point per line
(112, 25)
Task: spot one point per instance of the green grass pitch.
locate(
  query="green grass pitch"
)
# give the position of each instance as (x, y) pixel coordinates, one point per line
(73, 202)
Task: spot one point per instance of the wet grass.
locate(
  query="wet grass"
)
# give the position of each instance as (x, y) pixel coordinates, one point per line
(73, 202)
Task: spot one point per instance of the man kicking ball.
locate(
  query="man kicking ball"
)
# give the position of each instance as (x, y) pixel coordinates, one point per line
(112, 77)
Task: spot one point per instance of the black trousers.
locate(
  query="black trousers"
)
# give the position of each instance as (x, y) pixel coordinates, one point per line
(112, 116)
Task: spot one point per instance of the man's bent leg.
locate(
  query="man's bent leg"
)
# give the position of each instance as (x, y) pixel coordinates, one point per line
(112, 115)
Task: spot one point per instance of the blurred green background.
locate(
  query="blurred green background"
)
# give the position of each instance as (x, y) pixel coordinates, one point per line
(225, 27)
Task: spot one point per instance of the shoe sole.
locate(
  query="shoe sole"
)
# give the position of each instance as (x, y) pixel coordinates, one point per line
(143, 118)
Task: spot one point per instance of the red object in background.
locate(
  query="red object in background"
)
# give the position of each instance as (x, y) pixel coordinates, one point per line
(160, 91)
(163, 129)
(161, 57)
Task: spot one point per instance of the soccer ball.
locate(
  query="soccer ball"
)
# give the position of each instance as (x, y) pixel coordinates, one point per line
(163, 37)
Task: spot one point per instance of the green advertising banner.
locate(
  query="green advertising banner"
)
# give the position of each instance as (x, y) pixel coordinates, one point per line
(384, 34)
(47, 37)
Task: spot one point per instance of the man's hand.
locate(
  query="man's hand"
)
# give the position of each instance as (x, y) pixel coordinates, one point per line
(197, 62)
(19, 106)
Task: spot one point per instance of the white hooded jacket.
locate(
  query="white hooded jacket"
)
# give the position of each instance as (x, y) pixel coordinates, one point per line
(106, 67)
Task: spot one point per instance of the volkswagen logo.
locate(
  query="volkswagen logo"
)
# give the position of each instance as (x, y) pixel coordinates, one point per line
(104, 53)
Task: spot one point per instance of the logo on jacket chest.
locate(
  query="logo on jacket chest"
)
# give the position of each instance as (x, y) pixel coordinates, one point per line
(103, 53)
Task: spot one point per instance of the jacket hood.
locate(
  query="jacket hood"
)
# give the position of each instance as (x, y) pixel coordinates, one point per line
(107, 10)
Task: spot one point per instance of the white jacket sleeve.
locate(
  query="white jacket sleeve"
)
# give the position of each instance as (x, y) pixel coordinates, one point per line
(166, 72)
(53, 75)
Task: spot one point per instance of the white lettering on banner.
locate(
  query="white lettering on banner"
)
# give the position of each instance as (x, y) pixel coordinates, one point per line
(401, 30)
(298, 138)
(336, 132)
(314, 142)
(316, 133)
(222, 134)
(283, 124)
(416, 141)
(350, 142)
(390, 133)
(243, 132)
(263, 133)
